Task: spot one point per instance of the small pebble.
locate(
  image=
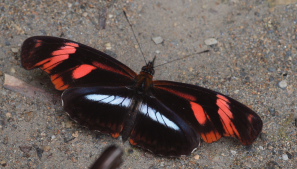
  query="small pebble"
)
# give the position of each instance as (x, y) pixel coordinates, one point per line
(210, 41)
(108, 46)
(157, 39)
(272, 111)
(12, 70)
(53, 137)
(75, 134)
(8, 115)
(46, 148)
(196, 157)
(283, 84)
(85, 14)
(68, 124)
(15, 50)
(25, 149)
(285, 157)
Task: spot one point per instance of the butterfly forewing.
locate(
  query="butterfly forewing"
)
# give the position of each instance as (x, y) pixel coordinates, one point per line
(212, 114)
(73, 64)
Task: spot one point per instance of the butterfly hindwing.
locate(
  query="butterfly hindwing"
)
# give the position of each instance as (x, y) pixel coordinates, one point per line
(159, 129)
(212, 114)
(71, 64)
(100, 108)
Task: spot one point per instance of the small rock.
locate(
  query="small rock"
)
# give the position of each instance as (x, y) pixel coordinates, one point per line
(25, 149)
(272, 111)
(210, 41)
(285, 157)
(196, 157)
(53, 137)
(283, 84)
(68, 124)
(46, 148)
(75, 134)
(15, 50)
(12, 70)
(108, 46)
(8, 115)
(85, 14)
(157, 39)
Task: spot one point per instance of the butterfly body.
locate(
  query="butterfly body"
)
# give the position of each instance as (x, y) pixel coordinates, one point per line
(167, 118)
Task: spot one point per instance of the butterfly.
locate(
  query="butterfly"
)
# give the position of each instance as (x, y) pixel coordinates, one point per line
(165, 117)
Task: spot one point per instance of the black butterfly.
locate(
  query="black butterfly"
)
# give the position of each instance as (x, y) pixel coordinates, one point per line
(167, 118)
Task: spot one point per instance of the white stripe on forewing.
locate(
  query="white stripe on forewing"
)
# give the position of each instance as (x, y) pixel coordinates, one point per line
(157, 116)
(110, 99)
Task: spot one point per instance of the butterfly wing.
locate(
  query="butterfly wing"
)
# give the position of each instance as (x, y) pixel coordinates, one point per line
(212, 114)
(108, 109)
(72, 64)
(102, 108)
(159, 129)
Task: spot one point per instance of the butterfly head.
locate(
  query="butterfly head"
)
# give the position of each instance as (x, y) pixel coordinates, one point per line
(149, 67)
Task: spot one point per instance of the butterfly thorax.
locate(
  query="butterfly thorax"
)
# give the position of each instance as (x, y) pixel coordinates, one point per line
(144, 80)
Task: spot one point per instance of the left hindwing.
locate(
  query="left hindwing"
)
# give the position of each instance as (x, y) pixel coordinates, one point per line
(72, 64)
(212, 114)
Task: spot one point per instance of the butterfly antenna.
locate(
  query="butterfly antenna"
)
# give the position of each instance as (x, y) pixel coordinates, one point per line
(205, 51)
(134, 35)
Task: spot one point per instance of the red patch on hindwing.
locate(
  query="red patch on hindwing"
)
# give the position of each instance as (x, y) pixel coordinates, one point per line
(211, 136)
(58, 81)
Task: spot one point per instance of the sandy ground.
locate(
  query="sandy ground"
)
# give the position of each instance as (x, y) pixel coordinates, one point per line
(256, 50)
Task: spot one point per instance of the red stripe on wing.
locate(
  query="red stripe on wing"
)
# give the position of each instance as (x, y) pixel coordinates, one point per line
(226, 117)
(211, 136)
(58, 82)
(82, 71)
(112, 69)
(181, 94)
(58, 56)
